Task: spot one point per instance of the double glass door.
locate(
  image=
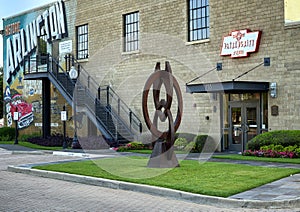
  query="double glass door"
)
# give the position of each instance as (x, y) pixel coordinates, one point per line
(243, 124)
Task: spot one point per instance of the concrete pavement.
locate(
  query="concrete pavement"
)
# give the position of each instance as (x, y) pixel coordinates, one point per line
(283, 194)
(23, 192)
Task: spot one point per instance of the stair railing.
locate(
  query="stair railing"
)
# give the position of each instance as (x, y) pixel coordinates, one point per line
(106, 96)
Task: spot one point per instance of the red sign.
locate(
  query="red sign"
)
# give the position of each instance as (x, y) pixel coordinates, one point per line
(240, 43)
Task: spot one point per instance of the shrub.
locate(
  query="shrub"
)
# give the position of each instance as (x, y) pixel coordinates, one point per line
(135, 145)
(54, 140)
(278, 137)
(7, 133)
(290, 148)
(25, 138)
(199, 143)
(190, 142)
(298, 150)
(180, 143)
(188, 136)
(270, 153)
(190, 147)
(278, 148)
(195, 146)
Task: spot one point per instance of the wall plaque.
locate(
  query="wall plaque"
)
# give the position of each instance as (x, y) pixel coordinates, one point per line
(274, 110)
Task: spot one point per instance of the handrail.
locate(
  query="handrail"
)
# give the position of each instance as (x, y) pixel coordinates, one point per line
(111, 102)
(50, 62)
(132, 118)
(131, 115)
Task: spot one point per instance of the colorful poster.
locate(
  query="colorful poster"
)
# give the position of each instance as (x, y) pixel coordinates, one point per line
(26, 36)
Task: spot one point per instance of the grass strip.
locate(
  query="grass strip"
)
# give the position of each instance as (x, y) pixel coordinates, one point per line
(263, 159)
(210, 178)
(149, 151)
(32, 146)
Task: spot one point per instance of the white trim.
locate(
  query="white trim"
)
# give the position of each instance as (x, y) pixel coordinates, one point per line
(197, 42)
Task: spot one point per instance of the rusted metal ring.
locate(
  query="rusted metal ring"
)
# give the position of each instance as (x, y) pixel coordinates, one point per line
(157, 79)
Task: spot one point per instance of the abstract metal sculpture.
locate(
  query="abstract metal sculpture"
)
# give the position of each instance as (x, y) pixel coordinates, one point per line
(163, 155)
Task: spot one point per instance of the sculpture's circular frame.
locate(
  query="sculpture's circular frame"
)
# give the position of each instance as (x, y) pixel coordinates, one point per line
(157, 79)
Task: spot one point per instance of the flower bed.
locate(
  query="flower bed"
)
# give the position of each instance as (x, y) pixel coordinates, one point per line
(270, 153)
(131, 146)
(275, 151)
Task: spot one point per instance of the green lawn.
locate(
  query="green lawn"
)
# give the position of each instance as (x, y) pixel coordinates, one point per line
(253, 158)
(235, 157)
(210, 178)
(149, 151)
(32, 146)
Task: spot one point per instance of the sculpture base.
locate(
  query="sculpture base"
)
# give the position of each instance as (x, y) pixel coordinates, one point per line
(160, 158)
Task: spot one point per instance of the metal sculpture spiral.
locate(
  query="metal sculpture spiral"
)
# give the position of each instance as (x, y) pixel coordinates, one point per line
(163, 141)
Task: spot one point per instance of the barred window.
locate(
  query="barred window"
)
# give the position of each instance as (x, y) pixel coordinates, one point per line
(198, 20)
(131, 31)
(82, 42)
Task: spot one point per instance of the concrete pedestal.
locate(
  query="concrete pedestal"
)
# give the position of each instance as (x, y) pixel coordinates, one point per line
(160, 158)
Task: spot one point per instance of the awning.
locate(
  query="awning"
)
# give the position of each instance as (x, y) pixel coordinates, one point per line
(229, 87)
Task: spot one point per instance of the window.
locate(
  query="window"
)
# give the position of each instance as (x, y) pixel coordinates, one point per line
(42, 50)
(291, 11)
(198, 20)
(131, 31)
(42, 45)
(82, 42)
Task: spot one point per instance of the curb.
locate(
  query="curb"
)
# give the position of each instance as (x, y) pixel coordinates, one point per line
(30, 153)
(55, 153)
(165, 192)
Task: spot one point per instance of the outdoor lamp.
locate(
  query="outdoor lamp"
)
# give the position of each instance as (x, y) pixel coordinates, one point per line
(273, 89)
(73, 73)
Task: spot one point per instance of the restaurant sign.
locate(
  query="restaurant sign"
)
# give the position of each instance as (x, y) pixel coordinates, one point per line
(240, 43)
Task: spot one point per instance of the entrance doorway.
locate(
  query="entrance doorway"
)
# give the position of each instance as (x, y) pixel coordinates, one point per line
(244, 123)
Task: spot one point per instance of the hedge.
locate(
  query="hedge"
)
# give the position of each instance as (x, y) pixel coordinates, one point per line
(184, 142)
(188, 136)
(54, 140)
(277, 137)
(7, 133)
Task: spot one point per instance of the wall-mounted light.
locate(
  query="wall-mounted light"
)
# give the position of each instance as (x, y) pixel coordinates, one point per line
(219, 67)
(215, 108)
(273, 89)
(73, 73)
(267, 61)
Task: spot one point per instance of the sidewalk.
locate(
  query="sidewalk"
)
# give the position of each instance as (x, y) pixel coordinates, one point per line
(284, 193)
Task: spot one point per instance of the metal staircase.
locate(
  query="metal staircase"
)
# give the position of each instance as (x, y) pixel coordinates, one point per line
(113, 118)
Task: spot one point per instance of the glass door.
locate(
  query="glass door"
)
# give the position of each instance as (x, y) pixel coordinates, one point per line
(243, 124)
(236, 123)
(251, 120)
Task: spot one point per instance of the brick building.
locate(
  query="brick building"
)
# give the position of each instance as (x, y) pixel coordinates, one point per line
(236, 62)
(27, 37)
(127, 38)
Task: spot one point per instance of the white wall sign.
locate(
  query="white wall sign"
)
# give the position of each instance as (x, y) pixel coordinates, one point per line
(64, 116)
(65, 47)
(240, 43)
(41, 124)
(16, 116)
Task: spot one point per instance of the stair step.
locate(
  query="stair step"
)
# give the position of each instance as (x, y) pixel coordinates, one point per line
(85, 98)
